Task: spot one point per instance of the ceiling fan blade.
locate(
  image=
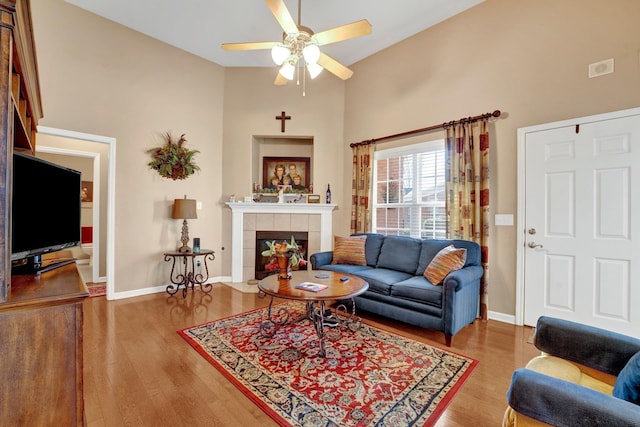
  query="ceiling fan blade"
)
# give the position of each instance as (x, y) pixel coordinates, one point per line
(334, 66)
(280, 80)
(284, 18)
(248, 45)
(343, 32)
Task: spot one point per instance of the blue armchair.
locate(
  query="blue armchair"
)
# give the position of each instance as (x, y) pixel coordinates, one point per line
(585, 376)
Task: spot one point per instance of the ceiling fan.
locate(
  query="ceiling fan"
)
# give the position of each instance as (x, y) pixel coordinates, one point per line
(299, 45)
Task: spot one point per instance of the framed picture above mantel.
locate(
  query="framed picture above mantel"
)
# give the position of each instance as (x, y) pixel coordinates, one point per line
(282, 171)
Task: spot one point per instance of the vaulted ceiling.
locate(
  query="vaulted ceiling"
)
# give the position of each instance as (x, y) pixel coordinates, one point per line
(201, 26)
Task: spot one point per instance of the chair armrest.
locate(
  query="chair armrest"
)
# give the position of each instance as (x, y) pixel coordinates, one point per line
(320, 258)
(596, 348)
(561, 403)
(462, 277)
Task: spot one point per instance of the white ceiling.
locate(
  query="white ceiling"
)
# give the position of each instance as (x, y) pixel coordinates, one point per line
(201, 26)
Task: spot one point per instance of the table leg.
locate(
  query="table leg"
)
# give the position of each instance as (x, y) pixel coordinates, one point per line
(273, 321)
(318, 322)
(200, 278)
(351, 320)
(176, 278)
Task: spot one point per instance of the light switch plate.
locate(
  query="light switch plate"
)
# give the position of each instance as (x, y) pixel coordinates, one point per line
(601, 68)
(504, 219)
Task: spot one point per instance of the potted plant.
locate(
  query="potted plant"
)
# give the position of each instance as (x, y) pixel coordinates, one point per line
(173, 160)
(284, 256)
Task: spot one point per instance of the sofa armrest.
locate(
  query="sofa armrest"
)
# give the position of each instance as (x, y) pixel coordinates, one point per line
(596, 348)
(561, 403)
(462, 277)
(320, 258)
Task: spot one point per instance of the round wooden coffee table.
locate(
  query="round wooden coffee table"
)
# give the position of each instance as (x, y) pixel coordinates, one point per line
(333, 289)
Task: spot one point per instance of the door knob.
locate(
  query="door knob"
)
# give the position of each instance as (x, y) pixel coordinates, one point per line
(532, 231)
(534, 245)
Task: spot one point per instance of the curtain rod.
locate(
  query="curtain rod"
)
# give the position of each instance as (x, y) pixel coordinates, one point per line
(445, 125)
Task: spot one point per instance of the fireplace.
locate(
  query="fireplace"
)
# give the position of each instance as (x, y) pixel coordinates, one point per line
(248, 218)
(301, 238)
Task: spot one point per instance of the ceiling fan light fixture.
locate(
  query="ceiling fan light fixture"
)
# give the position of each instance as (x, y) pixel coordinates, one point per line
(287, 70)
(311, 53)
(280, 53)
(314, 70)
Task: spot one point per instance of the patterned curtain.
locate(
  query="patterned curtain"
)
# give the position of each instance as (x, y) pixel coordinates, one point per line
(467, 186)
(361, 188)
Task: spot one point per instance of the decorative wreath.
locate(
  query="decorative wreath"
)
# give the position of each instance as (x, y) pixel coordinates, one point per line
(173, 160)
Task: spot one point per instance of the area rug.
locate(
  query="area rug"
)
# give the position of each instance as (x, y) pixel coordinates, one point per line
(369, 377)
(97, 290)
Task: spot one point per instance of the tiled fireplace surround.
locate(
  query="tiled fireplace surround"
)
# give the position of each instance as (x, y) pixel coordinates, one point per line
(247, 218)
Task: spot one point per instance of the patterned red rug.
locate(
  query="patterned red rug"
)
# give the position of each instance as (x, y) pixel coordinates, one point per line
(97, 290)
(369, 377)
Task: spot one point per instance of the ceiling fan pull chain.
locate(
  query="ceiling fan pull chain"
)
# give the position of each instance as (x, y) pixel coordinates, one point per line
(304, 81)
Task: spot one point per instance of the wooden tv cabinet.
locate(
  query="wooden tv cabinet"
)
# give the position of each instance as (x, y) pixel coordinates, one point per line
(41, 336)
(40, 315)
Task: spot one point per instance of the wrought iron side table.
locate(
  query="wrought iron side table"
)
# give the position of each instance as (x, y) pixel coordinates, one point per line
(189, 269)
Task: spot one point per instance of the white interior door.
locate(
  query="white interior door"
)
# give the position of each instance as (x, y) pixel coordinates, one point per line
(581, 227)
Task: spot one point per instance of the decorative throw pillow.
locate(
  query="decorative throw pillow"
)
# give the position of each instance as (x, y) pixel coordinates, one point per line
(349, 250)
(447, 260)
(627, 385)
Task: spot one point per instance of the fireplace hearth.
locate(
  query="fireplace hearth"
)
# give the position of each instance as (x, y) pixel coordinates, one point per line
(301, 238)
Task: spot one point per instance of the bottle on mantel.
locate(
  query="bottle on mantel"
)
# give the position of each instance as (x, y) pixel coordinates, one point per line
(328, 194)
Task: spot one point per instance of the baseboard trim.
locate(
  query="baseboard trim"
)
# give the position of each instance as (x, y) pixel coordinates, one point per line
(502, 317)
(154, 290)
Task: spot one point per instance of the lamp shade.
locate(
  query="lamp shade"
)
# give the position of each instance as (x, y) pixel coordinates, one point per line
(279, 54)
(287, 70)
(184, 209)
(311, 54)
(314, 70)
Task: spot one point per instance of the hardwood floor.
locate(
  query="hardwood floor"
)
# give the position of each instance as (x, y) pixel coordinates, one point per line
(139, 372)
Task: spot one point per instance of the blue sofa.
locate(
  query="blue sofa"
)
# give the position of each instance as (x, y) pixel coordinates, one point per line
(398, 290)
(585, 376)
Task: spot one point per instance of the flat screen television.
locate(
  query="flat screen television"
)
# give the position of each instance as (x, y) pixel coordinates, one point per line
(45, 211)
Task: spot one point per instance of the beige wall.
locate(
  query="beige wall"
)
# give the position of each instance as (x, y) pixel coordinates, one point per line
(526, 58)
(101, 78)
(251, 103)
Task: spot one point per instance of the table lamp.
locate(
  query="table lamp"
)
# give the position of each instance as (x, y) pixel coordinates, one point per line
(184, 209)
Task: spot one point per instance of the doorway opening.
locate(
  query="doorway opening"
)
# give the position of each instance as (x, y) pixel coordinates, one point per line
(66, 142)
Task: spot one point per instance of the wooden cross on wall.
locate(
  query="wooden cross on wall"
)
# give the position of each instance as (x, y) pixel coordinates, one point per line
(282, 117)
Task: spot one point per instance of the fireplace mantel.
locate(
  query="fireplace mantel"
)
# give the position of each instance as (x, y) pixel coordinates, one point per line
(238, 210)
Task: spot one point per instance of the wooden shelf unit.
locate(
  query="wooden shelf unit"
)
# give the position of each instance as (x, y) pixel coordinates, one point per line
(41, 317)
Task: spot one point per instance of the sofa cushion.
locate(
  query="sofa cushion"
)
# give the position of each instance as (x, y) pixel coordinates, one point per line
(430, 247)
(400, 253)
(349, 250)
(447, 260)
(627, 385)
(381, 279)
(417, 288)
(344, 268)
(372, 246)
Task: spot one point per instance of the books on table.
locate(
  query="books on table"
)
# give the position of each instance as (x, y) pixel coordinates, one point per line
(310, 286)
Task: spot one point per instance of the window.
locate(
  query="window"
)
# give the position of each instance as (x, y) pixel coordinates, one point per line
(409, 191)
